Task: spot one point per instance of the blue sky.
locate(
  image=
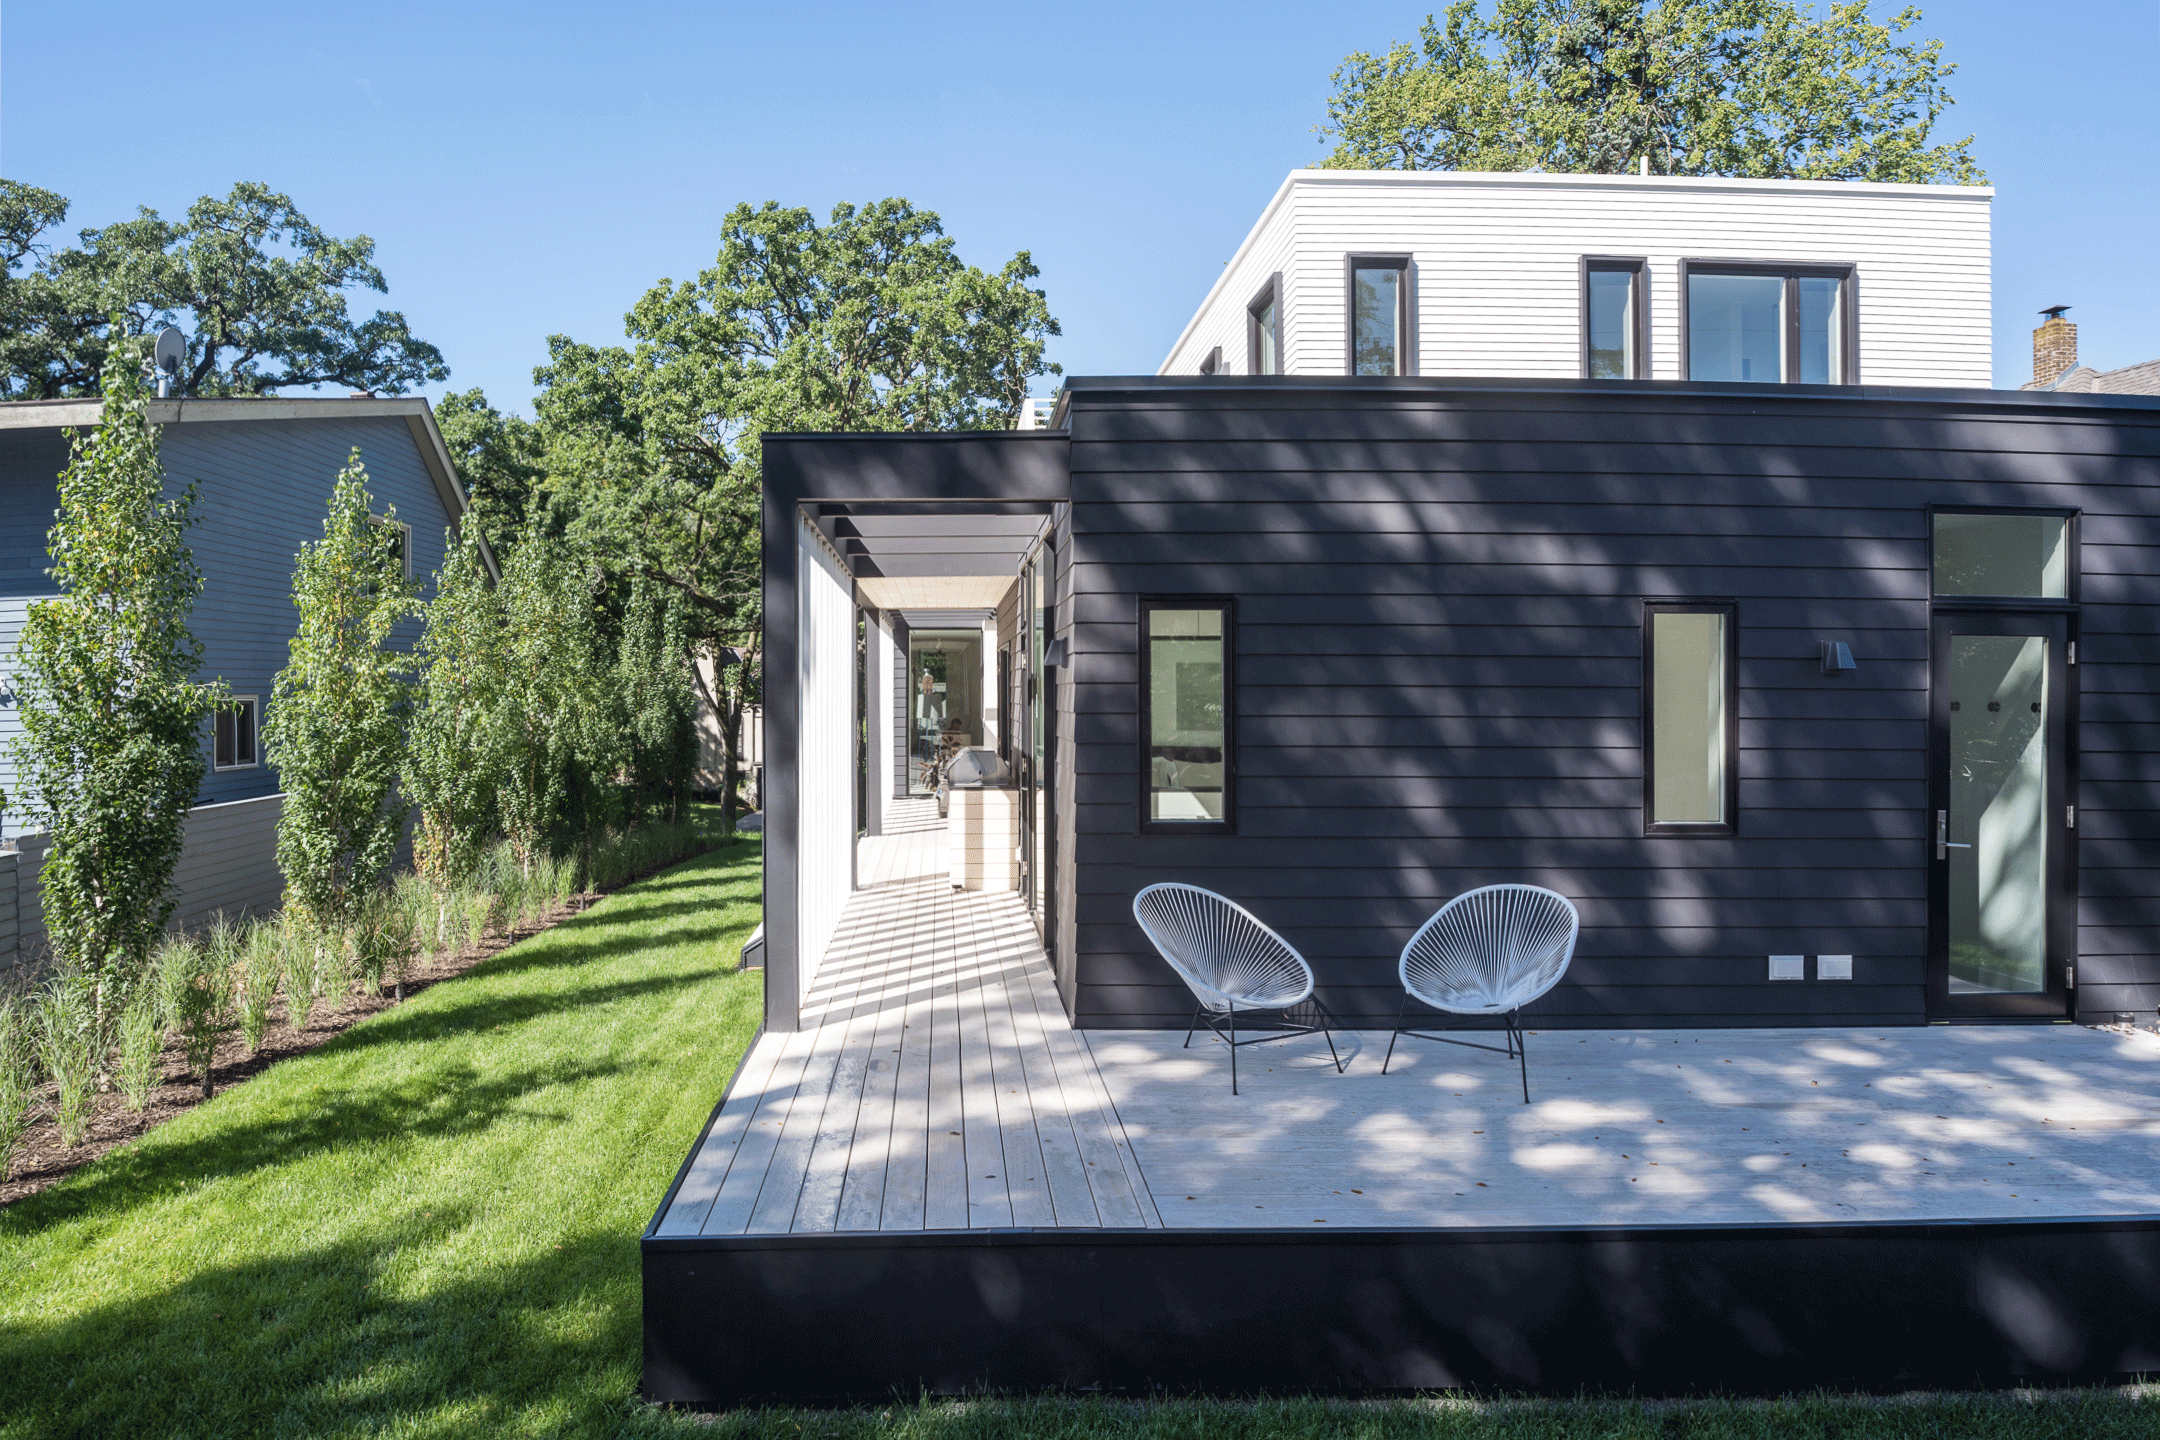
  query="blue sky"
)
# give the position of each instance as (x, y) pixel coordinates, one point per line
(531, 169)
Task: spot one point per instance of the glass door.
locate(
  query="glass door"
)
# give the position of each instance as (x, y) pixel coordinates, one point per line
(2001, 876)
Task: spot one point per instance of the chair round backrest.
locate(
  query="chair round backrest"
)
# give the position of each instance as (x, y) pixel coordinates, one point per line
(1490, 950)
(1221, 950)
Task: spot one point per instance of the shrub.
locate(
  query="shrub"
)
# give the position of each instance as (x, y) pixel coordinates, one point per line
(68, 1042)
(305, 968)
(261, 965)
(142, 1043)
(18, 1074)
(202, 985)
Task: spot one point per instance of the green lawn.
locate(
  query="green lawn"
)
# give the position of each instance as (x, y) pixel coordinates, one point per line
(429, 1227)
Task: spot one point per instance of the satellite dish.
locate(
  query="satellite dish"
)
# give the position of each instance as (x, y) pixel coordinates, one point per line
(171, 349)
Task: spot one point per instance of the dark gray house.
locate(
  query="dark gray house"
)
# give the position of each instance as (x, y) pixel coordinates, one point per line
(1827, 705)
(265, 468)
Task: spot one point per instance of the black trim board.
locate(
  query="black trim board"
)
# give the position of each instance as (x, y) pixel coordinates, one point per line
(1741, 1309)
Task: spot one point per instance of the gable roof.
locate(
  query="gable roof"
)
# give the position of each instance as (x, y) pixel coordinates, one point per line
(413, 410)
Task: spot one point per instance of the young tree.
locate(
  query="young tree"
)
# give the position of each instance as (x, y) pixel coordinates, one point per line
(452, 760)
(547, 720)
(335, 731)
(259, 288)
(653, 677)
(111, 751)
(1755, 88)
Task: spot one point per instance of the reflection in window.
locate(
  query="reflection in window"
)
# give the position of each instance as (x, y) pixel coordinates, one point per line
(1733, 327)
(1188, 725)
(1688, 718)
(1610, 304)
(2002, 555)
(945, 673)
(1266, 319)
(1997, 814)
(233, 747)
(1376, 317)
(1822, 338)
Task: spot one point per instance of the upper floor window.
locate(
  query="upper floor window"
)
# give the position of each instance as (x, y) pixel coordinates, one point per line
(1263, 330)
(1615, 304)
(2023, 554)
(1789, 324)
(398, 536)
(1212, 361)
(1379, 320)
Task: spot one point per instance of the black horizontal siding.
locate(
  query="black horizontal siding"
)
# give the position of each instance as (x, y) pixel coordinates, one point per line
(1439, 606)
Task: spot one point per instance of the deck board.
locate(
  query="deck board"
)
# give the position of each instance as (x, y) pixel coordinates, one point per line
(992, 1111)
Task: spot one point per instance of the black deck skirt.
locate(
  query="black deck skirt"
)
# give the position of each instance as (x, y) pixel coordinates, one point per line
(1740, 1309)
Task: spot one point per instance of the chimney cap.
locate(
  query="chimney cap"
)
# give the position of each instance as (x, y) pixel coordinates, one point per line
(2054, 312)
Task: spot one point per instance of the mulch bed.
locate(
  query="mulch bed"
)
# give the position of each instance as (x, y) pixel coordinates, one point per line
(41, 1161)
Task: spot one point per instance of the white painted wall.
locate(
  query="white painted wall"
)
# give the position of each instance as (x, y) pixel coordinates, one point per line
(1497, 266)
(885, 659)
(825, 809)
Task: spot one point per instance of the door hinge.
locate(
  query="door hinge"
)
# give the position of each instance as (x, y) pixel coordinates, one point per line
(2073, 652)
(2070, 816)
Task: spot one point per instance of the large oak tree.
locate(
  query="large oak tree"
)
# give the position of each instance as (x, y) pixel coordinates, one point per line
(1757, 88)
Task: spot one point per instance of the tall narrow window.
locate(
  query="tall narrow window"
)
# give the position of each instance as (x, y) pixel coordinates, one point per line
(234, 729)
(1613, 309)
(1379, 315)
(1770, 324)
(1690, 745)
(1188, 768)
(1263, 330)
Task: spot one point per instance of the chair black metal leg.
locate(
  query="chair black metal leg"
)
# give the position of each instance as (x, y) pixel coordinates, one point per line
(1332, 1055)
(1233, 1051)
(1192, 1027)
(1522, 1051)
(1401, 1006)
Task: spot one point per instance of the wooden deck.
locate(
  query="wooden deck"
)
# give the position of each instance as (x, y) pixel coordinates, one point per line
(937, 1086)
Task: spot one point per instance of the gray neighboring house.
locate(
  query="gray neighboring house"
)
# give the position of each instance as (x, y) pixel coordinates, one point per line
(265, 468)
(2056, 367)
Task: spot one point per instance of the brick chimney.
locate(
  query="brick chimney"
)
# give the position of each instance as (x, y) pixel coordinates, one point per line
(2054, 346)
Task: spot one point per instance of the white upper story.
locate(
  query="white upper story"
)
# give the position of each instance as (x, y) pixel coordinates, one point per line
(1623, 276)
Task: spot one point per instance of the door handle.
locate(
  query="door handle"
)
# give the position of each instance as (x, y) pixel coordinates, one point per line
(1943, 843)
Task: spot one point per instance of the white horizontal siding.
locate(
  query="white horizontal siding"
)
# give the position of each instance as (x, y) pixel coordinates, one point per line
(1498, 280)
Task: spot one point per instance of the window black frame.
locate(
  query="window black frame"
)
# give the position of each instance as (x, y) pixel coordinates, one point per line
(1792, 272)
(1227, 604)
(1730, 609)
(1211, 363)
(234, 705)
(2073, 571)
(1406, 347)
(1269, 293)
(1633, 265)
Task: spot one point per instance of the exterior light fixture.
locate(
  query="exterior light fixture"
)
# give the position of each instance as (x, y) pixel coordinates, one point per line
(1836, 657)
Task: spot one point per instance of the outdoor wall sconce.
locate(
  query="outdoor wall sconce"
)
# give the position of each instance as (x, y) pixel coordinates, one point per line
(1836, 657)
(1054, 655)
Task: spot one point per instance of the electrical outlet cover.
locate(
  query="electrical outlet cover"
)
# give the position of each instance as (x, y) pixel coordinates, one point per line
(1788, 967)
(1833, 967)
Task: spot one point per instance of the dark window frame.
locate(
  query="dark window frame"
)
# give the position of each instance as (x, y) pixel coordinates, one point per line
(1272, 291)
(1637, 266)
(1227, 604)
(2073, 570)
(1406, 346)
(1211, 363)
(1730, 825)
(1791, 272)
(232, 708)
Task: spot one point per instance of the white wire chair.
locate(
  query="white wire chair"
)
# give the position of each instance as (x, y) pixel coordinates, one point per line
(1230, 961)
(1487, 952)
